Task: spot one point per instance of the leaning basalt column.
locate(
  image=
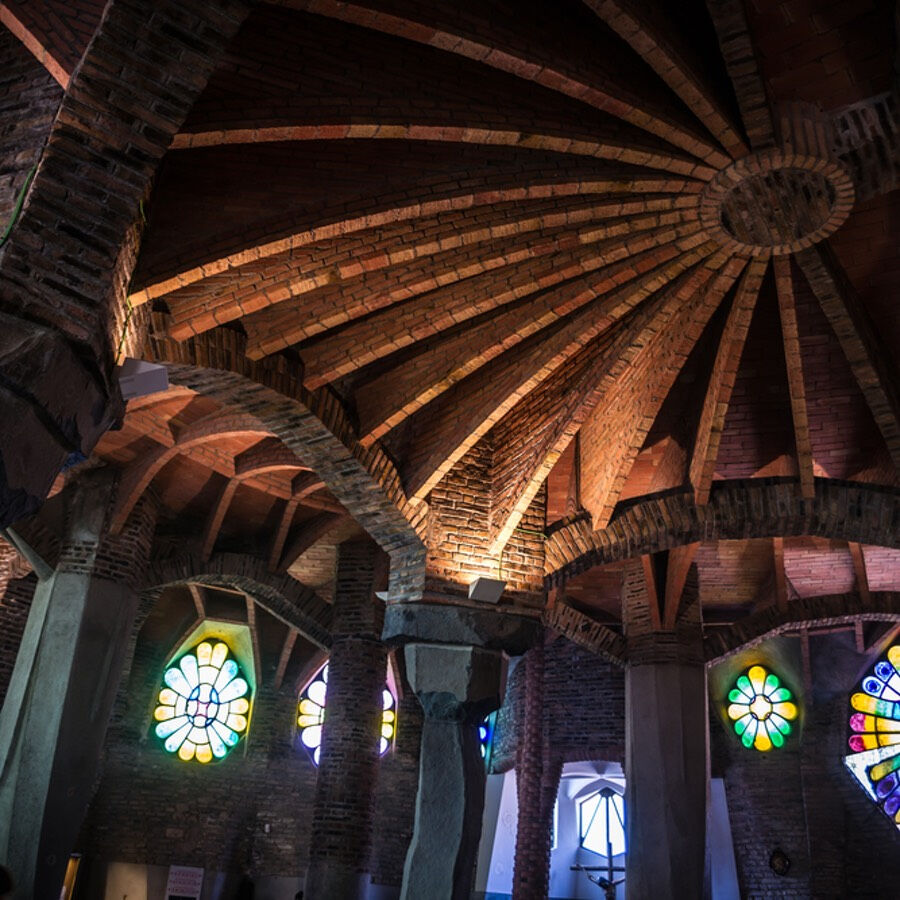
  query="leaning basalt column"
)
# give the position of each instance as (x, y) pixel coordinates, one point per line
(62, 689)
(457, 686)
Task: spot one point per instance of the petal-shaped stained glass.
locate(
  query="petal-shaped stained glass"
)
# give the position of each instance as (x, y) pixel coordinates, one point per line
(311, 715)
(874, 734)
(760, 708)
(203, 710)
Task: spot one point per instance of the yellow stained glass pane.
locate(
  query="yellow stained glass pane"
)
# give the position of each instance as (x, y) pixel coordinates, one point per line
(219, 655)
(736, 710)
(240, 705)
(387, 730)
(168, 697)
(238, 723)
(161, 713)
(757, 676)
(203, 753)
(762, 741)
(204, 652)
(186, 751)
(788, 710)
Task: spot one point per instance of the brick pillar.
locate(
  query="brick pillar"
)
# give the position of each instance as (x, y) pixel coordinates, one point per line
(666, 746)
(341, 839)
(457, 685)
(537, 781)
(62, 689)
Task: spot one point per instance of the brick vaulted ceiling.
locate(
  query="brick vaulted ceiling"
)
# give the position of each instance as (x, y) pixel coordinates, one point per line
(635, 245)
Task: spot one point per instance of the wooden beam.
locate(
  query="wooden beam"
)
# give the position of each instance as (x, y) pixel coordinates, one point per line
(781, 591)
(873, 367)
(651, 591)
(680, 560)
(859, 568)
(784, 284)
(286, 650)
(217, 517)
(722, 379)
(288, 511)
(197, 595)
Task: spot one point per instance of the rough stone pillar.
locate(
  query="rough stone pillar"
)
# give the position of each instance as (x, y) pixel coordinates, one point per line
(457, 686)
(341, 839)
(62, 689)
(537, 781)
(666, 748)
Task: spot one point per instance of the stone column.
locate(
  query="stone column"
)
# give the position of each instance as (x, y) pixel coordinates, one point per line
(537, 781)
(62, 689)
(457, 686)
(341, 839)
(666, 750)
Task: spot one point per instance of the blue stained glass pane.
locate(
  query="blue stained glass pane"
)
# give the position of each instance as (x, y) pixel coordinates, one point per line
(164, 729)
(873, 686)
(175, 679)
(233, 690)
(887, 785)
(228, 671)
(884, 670)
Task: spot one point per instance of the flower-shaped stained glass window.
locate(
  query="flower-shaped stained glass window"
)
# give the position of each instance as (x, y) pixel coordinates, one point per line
(202, 711)
(486, 735)
(311, 715)
(761, 709)
(875, 734)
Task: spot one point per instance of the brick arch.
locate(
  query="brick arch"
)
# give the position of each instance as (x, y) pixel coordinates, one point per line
(737, 510)
(281, 595)
(314, 426)
(804, 612)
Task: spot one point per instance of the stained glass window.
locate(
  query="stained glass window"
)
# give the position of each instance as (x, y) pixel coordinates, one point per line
(761, 709)
(311, 715)
(202, 711)
(875, 734)
(486, 737)
(601, 823)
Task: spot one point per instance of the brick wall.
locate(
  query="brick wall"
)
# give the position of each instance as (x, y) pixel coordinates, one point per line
(29, 98)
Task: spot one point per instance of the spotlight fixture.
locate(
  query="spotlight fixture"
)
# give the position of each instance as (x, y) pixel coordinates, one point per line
(486, 590)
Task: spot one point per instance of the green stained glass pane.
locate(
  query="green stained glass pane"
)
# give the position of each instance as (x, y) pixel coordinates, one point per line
(780, 696)
(744, 686)
(775, 736)
(780, 723)
(736, 696)
(749, 734)
(771, 684)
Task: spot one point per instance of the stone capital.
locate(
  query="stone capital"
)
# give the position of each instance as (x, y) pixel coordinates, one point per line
(456, 681)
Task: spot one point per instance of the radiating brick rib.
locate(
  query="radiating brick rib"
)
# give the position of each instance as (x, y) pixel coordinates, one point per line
(730, 22)
(572, 145)
(737, 510)
(348, 219)
(398, 393)
(620, 424)
(722, 378)
(784, 285)
(137, 476)
(443, 435)
(870, 363)
(531, 438)
(420, 318)
(614, 98)
(660, 48)
(307, 534)
(585, 632)
(649, 592)
(456, 275)
(298, 274)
